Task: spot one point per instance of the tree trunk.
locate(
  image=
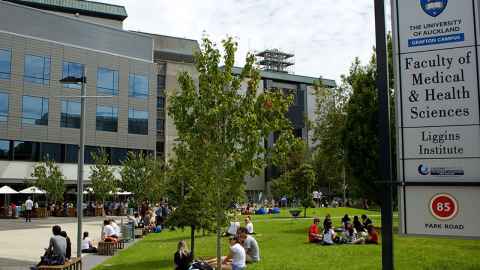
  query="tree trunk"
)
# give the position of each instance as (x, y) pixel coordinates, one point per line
(219, 247)
(305, 212)
(192, 240)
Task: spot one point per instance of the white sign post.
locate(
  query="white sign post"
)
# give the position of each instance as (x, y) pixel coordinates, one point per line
(438, 121)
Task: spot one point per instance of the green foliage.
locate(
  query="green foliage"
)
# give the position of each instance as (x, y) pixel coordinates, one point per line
(144, 176)
(329, 155)
(220, 128)
(102, 177)
(49, 177)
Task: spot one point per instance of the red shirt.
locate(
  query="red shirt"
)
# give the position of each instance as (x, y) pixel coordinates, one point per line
(312, 232)
(373, 237)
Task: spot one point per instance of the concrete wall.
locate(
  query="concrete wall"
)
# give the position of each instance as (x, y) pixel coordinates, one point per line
(46, 25)
(103, 21)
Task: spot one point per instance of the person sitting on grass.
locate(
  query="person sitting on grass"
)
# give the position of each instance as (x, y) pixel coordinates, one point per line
(68, 250)
(249, 225)
(118, 231)
(345, 220)
(314, 235)
(249, 244)
(56, 251)
(328, 219)
(182, 258)
(109, 234)
(351, 236)
(366, 221)
(87, 244)
(329, 235)
(357, 225)
(237, 255)
(372, 237)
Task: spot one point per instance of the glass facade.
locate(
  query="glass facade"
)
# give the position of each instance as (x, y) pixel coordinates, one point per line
(37, 69)
(107, 118)
(35, 110)
(160, 103)
(5, 64)
(70, 115)
(137, 122)
(4, 150)
(137, 86)
(3, 107)
(71, 69)
(107, 81)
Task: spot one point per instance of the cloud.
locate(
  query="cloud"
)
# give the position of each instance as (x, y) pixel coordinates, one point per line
(325, 35)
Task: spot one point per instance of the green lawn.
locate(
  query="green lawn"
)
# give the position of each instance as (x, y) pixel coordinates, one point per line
(283, 245)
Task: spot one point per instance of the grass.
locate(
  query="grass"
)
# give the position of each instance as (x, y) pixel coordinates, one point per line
(283, 245)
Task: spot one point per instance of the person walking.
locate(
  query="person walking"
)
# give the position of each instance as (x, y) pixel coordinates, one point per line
(28, 210)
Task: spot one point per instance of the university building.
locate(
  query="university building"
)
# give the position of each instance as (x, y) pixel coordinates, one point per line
(129, 78)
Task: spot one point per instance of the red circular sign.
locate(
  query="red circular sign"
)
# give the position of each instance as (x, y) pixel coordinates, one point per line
(443, 206)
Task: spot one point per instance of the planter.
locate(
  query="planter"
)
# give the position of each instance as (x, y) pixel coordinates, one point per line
(295, 213)
(41, 212)
(71, 212)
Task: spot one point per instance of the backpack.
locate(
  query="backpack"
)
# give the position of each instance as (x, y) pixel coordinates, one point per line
(199, 265)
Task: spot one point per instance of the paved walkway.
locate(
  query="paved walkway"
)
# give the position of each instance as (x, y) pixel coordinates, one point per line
(22, 244)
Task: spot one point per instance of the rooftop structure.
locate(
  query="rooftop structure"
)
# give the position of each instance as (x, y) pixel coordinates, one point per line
(275, 60)
(82, 7)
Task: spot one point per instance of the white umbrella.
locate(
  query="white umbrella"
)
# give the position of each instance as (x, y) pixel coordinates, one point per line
(32, 190)
(7, 190)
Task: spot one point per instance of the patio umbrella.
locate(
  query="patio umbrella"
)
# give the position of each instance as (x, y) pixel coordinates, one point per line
(7, 190)
(32, 190)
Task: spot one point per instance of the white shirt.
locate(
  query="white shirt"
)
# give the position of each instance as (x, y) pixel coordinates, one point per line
(238, 255)
(28, 204)
(233, 228)
(328, 237)
(116, 228)
(249, 227)
(86, 243)
(108, 231)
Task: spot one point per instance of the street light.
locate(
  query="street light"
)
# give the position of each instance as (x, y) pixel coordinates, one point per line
(83, 81)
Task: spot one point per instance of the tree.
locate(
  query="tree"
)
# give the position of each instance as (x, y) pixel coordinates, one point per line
(102, 177)
(220, 127)
(361, 127)
(142, 175)
(297, 177)
(49, 177)
(330, 115)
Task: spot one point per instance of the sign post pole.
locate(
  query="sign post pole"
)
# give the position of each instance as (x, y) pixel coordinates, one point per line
(384, 135)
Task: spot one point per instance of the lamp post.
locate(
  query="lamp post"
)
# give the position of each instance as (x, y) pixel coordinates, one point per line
(81, 152)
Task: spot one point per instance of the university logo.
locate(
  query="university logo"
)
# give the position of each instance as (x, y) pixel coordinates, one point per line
(433, 7)
(423, 169)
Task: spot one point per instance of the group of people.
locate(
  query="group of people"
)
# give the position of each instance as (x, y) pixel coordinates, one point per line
(358, 232)
(111, 231)
(151, 218)
(243, 249)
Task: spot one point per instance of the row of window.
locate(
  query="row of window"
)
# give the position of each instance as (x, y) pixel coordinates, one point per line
(37, 71)
(35, 112)
(60, 153)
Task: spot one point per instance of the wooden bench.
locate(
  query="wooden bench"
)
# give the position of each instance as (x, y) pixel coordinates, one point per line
(106, 248)
(72, 264)
(120, 244)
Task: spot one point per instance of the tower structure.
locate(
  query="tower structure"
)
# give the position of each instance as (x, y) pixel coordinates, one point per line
(275, 60)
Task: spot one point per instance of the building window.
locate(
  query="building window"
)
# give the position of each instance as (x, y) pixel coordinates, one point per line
(160, 124)
(71, 153)
(4, 149)
(137, 86)
(118, 155)
(160, 102)
(137, 122)
(26, 151)
(37, 69)
(70, 116)
(71, 69)
(107, 81)
(160, 84)
(51, 151)
(35, 110)
(5, 64)
(160, 146)
(107, 118)
(3, 107)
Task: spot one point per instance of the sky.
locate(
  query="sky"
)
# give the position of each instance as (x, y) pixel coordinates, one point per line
(324, 35)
